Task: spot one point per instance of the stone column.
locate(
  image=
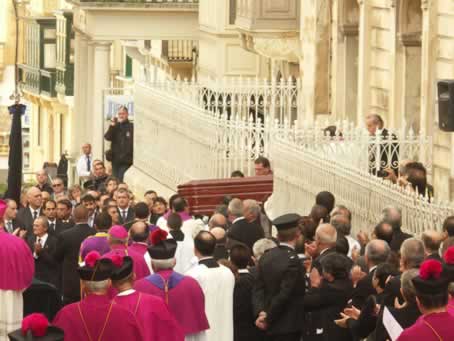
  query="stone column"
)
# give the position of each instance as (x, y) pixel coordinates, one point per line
(363, 59)
(100, 81)
(78, 131)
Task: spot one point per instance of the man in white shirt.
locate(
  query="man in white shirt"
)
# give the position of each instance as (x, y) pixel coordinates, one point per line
(343, 226)
(85, 162)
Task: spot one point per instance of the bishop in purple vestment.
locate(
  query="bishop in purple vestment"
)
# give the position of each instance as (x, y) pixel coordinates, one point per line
(96, 317)
(183, 294)
(436, 323)
(118, 241)
(99, 241)
(152, 314)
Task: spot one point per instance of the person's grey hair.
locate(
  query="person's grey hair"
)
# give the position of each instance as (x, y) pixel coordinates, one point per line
(326, 234)
(406, 283)
(252, 206)
(377, 119)
(393, 216)
(377, 251)
(44, 221)
(341, 224)
(412, 253)
(236, 207)
(93, 286)
(163, 264)
(261, 246)
(215, 220)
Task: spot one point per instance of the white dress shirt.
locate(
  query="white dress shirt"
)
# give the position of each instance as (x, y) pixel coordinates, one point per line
(82, 166)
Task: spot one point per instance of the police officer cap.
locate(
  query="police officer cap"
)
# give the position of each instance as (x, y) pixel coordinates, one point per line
(286, 221)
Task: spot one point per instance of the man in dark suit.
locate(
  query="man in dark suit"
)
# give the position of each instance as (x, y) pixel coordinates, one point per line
(248, 229)
(64, 214)
(28, 214)
(43, 246)
(10, 217)
(50, 212)
(278, 296)
(377, 252)
(244, 328)
(325, 240)
(67, 253)
(124, 209)
(393, 216)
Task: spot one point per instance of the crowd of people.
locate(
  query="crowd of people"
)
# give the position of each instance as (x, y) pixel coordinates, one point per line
(102, 266)
(93, 262)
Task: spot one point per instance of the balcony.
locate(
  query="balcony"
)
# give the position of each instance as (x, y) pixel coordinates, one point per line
(38, 82)
(111, 20)
(268, 18)
(269, 28)
(175, 51)
(65, 54)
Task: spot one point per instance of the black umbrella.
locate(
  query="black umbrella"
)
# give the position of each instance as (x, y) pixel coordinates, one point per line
(15, 153)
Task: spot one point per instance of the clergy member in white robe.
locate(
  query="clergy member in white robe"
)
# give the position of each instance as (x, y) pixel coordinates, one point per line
(217, 283)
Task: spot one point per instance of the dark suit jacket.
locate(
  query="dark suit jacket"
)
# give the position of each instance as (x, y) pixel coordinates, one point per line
(363, 290)
(279, 290)
(16, 223)
(435, 256)
(46, 268)
(329, 300)
(46, 188)
(26, 218)
(317, 263)
(245, 232)
(398, 239)
(67, 254)
(406, 317)
(243, 315)
(59, 227)
(129, 218)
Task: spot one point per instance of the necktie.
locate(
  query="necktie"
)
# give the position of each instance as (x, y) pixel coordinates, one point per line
(52, 226)
(124, 215)
(10, 226)
(35, 215)
(39, 241)
(88, 164)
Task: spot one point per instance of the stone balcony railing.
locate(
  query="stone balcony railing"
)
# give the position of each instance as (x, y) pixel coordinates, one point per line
(178, 50)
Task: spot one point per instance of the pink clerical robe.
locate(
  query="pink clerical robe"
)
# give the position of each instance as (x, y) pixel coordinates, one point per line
(17, 265)
(186, 301)
(140, 248)
(97, 318)
(152, 314)
(140, 265)
(451, 306)
(432, 327)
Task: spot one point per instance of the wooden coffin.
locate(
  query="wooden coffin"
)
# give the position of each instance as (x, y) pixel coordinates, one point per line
(204, 196)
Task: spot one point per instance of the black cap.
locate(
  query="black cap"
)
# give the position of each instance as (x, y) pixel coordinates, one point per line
(101, 271)
(163, 250)
(287, 221)
(430, 280)
(52, 334)
(123, 270)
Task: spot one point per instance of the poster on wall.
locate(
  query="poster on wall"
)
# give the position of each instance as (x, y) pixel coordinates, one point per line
(112, 104)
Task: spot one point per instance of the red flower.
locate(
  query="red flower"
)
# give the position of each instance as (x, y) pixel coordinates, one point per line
(117, 260)
(449, 255)
(91, 258)
(158, 236)
(430, 269)
(37, 323)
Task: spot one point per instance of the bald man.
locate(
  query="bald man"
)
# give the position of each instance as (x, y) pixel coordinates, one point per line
(220, 252)
(42, 180)
(217, 220)
(28, 214)
(432, 241)
(85, 162)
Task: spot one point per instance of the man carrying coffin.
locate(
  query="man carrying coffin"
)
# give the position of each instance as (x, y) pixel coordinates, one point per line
(96, 317)
(182, 294)
(151, 312)
(16, 273)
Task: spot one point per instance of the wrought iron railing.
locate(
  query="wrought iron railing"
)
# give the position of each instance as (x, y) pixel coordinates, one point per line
(38, 81)
(48, 79)
(178, 50)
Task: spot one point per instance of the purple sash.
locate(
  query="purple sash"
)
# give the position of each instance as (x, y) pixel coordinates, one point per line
(174, 279)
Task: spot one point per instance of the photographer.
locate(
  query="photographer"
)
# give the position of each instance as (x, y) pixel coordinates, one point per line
(121, 134)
